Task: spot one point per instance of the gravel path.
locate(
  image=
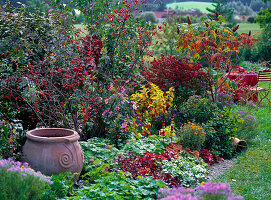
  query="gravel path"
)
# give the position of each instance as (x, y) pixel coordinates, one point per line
(220, 168)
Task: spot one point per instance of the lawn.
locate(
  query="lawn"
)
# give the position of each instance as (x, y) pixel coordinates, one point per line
(246, 27)
(251, 175)
(190, 5)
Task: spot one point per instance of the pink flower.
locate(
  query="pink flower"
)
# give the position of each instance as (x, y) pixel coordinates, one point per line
(117, 108)
(124, 125)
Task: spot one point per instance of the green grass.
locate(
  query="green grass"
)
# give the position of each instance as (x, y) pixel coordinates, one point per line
(246, 27)
(251, 175)
(82, 27)
(191, 5)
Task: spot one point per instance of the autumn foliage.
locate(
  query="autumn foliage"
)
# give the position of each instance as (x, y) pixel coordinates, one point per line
(169, 72)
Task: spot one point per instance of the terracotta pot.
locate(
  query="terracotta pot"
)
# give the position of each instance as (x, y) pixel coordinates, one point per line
(240, 145)
(53, 151)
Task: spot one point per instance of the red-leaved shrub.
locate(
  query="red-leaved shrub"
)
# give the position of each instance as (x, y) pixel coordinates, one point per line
(169, 72)
(208, 156)
(148, 165)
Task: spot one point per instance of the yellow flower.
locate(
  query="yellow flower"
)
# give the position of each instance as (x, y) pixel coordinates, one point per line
(202, 183)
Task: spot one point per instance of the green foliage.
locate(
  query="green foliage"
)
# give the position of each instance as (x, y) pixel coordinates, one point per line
(251, 19)
(198, 109)
(61, 187)
(191, 136)
(220, 131)
(221, 9)
(149, 16)
(97, 151)
(152, 143)
(25, 37)
(15, 185)
(246, 122)
(114, 23)
(264, 17)
(191, 170)
(168, 38)
(264, 47)
(258, 5)
(11, 139)
(182, 95)
(239, 8)
(37, 4)
(118, 186)
(99, 156)
(22, 37)
(252, 168)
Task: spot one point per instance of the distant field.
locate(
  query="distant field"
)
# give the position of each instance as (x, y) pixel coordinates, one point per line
(246, 27)
(243, 28)
(191, 5)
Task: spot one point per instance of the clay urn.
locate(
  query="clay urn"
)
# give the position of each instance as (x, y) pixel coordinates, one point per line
(239, 145)
(53, 151)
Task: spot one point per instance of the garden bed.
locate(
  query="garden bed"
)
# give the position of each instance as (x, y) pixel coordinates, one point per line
(150, 128)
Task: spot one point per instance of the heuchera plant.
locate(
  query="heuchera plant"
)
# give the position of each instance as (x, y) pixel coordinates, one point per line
(148, 165)
(208, 156)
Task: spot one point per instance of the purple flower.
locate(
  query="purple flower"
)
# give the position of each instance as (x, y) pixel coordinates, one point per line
(23, 168)
(209, 190)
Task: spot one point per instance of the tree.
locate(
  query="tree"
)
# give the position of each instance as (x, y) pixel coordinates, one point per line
(264, 19)
(220, 8)
(214, 42)
(166, 40)
(149, 16)
(37, 4)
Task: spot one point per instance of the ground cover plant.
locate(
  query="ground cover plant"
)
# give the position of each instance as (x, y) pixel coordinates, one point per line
(146, 124)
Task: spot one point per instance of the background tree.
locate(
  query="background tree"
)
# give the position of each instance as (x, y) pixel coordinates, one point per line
(37, 4)
(149, 16)
(264, 47)
(167, 40)
(214, 42)
(221, 9)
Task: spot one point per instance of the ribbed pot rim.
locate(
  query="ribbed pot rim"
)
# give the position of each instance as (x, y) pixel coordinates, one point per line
(34, 135)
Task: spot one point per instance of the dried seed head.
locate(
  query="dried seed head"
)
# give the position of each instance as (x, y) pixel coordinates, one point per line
(207, 25)
(178, 30)
(249, 33)
(216, 15)
(189, 20)
(235, 28)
